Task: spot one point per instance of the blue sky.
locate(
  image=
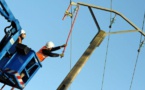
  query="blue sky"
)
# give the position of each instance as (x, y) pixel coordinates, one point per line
(42, 21)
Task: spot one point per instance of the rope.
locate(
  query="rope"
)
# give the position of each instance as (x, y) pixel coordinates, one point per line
(71, 28)
(141, 43)
(106, 50)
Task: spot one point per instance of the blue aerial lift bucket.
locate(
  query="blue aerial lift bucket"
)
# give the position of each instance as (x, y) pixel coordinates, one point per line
(23, 62)
(8, 43)
(18, 63)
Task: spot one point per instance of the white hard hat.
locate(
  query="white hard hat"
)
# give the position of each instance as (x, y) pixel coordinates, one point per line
(49, 44)
(23, 31)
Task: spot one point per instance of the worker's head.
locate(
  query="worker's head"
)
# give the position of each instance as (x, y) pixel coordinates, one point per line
(23, 33)
(49, 45)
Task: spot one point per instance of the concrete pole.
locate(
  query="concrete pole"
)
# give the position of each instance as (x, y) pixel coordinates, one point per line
(81, 62)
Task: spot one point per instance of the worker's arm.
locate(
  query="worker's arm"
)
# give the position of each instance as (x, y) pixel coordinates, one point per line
(53, 55)
(49, 53)
(58, 47)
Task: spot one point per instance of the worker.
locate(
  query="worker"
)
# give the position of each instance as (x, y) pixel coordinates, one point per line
(22, 36)
(48, 49)
(12, 50)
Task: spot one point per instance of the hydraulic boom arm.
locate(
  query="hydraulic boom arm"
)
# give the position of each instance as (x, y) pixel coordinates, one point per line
(7, 14)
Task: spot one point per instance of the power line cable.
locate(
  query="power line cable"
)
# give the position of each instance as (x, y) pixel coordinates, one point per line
(141, 43)
(141, 38)
(71, 43)
(107, 49)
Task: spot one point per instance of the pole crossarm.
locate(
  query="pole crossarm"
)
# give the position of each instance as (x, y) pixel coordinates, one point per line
(122, 32)
(113, 11)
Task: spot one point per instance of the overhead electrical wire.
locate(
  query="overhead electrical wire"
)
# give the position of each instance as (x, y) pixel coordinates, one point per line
(142, 41)
(107, 48)
(139, 49)
(71, 42)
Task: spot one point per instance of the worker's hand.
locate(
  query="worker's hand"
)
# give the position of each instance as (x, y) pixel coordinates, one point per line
(64, 45)
(61, 55)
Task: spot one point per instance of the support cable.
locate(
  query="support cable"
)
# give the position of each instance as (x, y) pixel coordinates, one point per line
(107, 49)
(140, 46)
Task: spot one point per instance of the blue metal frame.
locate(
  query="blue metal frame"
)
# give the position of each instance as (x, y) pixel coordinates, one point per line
(6, 12)
(11, 37)
(28, 64)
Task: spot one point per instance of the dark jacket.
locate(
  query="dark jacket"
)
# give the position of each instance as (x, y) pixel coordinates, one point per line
(50, 52)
